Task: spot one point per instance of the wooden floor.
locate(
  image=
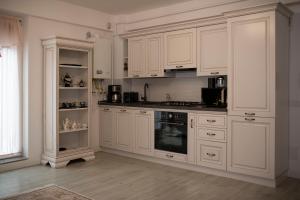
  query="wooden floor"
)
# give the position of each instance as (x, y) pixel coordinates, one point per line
(118, 178)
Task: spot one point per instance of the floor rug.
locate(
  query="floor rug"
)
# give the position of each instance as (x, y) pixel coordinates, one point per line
(50, 192)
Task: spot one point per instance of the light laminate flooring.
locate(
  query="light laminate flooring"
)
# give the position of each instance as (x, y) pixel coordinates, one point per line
(112, 177)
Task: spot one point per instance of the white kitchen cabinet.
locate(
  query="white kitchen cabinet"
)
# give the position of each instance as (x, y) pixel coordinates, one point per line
(102, 66)
(123, 137)
(212, 50)
(143, 132)
(136, 57)
(154, 55)
(106, 126)
(180, 49)
(251, 146)
(251, 75)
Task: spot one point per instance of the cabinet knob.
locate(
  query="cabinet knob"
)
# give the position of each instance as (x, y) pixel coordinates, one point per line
(99, 71)
(249, 114)
(214, 73)
(179, 66)
(249, 119)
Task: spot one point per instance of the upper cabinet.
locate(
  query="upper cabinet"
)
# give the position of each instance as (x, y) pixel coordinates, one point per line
(102, 58)
(154, 55)
(252, 65)
(212, 48)
(180, 49)
(136, 57)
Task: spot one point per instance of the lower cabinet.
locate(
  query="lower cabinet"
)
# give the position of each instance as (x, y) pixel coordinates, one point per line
(211, 154)
(106, 127)
(143, 132)
(251, 146)
(123, 130)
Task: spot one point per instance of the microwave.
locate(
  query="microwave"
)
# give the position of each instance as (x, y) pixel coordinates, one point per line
(214, 96)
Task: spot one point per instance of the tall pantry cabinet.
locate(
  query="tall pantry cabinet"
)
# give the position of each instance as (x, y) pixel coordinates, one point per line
(258, 94)
(67, 100)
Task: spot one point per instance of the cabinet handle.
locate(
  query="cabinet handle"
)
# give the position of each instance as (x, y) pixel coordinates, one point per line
(210, 134)
(106, 109)
(179, 66)
(249, 119)
(143, 112)
(214, 73)
(211, 120)
(153, 75)
(169, 155)
(211, 154)
(123, 110)
(250, 114)
(99, 71)
(192, 123)
(136, 76)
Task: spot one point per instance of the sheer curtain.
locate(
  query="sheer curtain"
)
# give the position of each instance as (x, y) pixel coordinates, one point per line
(10, 87)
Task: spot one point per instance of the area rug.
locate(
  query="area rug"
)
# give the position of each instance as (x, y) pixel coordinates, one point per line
(50, 192)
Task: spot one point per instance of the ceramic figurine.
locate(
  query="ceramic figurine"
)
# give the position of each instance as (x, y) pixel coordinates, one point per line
(81, 83)
(66, 124)
(68, 80)
(74, 125)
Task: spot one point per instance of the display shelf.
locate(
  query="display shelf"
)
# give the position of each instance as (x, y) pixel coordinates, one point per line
(73, 130)
(73, 88)
(73, 67)
(72, 109)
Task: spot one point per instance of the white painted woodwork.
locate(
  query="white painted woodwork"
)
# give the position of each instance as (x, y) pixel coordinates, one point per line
(59, 50)
(211, 134)
(106, 126)
(251, 146)
(251, 80)
(143, 132)
(218, 121)
(212, 50)
(124, 130)
(191, 151)
(211, 154)
(136, 57)
(154, 55)
(102, 66)
(180, 49)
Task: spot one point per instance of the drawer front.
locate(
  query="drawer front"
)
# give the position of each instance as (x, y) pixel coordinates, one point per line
(211, 154)
(211, 134)
(212, 121)
(170, 156)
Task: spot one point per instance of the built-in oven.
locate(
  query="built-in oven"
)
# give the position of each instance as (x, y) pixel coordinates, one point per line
(171, 131)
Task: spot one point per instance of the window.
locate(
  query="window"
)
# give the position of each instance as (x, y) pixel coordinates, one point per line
(10, 88)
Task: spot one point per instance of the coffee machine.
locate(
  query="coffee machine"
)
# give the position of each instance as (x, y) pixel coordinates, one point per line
(114, 94)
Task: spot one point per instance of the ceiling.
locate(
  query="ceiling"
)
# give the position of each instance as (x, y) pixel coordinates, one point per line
(117, 7)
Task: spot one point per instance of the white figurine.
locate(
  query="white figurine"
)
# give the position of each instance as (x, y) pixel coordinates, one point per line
(74, 125)
(66, 124)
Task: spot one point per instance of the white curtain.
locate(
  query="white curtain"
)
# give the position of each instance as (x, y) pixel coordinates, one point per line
(10, 87)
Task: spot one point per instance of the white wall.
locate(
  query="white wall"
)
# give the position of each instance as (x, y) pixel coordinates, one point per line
(35, 29)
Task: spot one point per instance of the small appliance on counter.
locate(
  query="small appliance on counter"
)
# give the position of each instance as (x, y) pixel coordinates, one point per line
(130, 97)
(114, 94)
(216, 93)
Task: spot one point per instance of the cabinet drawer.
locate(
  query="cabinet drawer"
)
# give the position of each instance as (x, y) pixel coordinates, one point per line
(211, 134)
(170, 156)
(211, 154)
(212, 121)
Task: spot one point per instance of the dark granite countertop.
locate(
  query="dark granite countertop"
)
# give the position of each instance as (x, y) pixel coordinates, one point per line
(160, 105)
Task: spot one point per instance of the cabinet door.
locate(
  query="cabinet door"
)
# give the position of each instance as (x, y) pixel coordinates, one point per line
(251, 146)
(154, 55)
(180, 49)
(251, 65)
(123, 130)
(106, 127)
(144, 132)
(102, 58)
(212, 48)
(136, 57)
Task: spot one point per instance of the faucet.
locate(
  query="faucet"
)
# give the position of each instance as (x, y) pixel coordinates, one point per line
(144, 98)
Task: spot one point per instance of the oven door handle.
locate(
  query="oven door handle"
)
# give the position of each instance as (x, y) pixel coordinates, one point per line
(173, 123)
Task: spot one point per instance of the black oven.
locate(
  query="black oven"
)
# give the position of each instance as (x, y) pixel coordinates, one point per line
(171, 131)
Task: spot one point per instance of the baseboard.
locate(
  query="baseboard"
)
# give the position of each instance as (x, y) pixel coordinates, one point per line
(187, 166)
